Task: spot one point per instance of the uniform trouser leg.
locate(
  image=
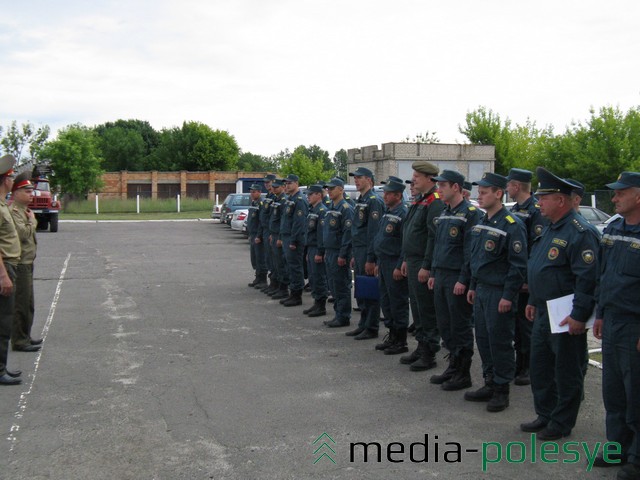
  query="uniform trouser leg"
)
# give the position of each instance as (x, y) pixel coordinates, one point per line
(24, 306)
(278, 262)
(285, 265)
(453, 313)
(370, 314)
(394, 295)
(522, 336)
(341, 281)
(424, 315)
(258, 261)
(494, 334)
(294, 260)
(558, 398)
(317, 275)
(621, 383)
(7, 309)
(267, 253)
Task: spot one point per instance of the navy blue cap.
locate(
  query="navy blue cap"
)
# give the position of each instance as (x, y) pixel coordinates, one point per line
(269, 177)
(467, 185)
(278, 182)
(625, 180)
(550, 183)
(362, 172)
(490, 179)
(314, 189)
(579, 187)
(520, 175)
(256, 186)
(291, 178)
(393, 186)
(392, 179)
(334, 182)
(450, 176)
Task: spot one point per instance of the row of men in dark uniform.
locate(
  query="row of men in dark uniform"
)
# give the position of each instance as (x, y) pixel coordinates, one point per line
(18, 251)
(464, 272)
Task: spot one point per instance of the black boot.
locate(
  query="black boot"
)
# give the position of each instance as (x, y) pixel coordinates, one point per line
(255, 281)
(448, 373)
(427, 360)
(413, 356)
(400, 344)
(273, 286)
(287, 298)
(321, 310)
(294, 300)
(312, 308)
(500, 399)
(261, 281)
(388, 340)
(283, 292)
(522, 370)
(483, 394)
(462, 378)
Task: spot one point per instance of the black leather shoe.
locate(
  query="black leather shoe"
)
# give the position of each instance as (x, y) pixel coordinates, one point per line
(537, 425)
(615, 460)
(9, 380)
(26, 348)
(14, 374)
(550, 433)
(36, 342)
(338, 324)
(353, 333)
(366, 334)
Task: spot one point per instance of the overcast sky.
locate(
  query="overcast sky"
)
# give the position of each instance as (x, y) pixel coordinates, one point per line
(339, 74)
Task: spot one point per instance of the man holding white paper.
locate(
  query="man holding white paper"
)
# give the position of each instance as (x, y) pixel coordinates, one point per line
(562, 262)
(618, 324)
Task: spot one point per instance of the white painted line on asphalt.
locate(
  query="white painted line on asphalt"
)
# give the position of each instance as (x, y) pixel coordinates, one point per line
(22, 403)
(210, 220)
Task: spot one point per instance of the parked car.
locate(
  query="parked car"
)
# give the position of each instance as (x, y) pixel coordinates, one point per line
(233, 202)
(594, 216)
(238, 219)
(602, 226)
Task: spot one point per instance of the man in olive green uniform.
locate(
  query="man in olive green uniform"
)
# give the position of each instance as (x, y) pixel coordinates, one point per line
(25, 223)
(10, 252)
(418, 241)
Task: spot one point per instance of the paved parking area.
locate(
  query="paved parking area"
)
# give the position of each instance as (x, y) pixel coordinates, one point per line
(160, 363)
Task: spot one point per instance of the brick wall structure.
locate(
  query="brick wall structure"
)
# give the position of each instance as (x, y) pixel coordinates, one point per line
(396, 158)
(154, 184)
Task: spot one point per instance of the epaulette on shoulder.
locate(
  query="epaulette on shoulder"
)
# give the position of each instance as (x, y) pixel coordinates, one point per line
(537, 205)
(372, 196)
(436, 194)
(578, 225)
(510, 219)
(472, 208)
(345, 206)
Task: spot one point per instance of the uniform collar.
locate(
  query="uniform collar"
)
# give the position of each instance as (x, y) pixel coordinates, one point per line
(568, 217)
(500, 214)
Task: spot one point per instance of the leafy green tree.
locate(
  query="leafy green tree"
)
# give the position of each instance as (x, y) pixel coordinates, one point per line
(75, 160)
(340, 163)
(195, 147)
(126, 144)
(251, 162)
(484, 127)
(310, 171)
(122, 149)
(25, 142)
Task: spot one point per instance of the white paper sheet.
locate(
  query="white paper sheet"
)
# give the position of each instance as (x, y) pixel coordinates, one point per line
(559, 309)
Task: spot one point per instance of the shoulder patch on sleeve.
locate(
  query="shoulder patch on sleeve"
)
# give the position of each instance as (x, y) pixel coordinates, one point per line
(510, 219)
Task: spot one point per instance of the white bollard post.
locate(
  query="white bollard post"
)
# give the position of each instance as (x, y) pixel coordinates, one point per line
(178, 202)
(593, 201)
(97, 207)
(137, 203)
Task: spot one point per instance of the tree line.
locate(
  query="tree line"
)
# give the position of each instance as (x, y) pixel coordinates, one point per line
(591, 151)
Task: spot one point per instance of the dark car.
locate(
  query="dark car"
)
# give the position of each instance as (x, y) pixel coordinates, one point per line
(233, 202)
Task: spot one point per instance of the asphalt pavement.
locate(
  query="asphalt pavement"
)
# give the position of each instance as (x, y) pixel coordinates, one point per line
(160, 363)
